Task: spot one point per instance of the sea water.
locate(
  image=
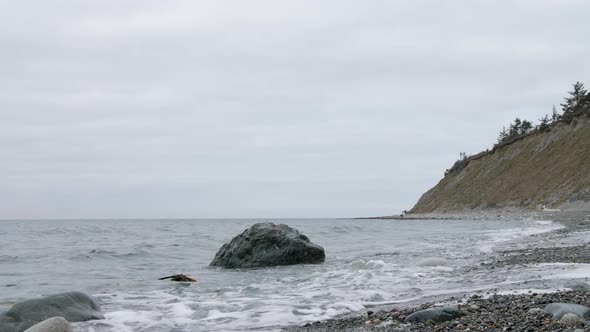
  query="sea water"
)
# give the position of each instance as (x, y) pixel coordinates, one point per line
(369, 263)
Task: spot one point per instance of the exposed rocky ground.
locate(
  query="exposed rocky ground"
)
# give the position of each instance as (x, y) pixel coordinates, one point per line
(492, 312)
(545, 168)
(573, 254)
(496, 313)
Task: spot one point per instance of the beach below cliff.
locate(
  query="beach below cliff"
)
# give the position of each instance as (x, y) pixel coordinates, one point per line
(516, 305)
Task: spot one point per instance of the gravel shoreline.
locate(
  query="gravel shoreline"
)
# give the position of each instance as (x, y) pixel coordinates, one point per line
(492, 312)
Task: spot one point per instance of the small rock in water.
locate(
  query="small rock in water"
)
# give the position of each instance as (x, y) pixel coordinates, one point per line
(571, 320)
(179, 277)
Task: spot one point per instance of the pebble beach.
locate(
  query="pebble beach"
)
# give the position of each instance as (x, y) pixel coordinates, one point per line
(498, 310)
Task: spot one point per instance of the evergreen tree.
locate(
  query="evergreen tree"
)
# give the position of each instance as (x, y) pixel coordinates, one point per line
(503, 135)
(526, 127)
(576, 100)
(555, 117)
(586, 101)
(544, 122)
(515, 128)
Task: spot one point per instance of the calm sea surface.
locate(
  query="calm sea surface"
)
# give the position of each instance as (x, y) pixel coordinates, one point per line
(368, 263)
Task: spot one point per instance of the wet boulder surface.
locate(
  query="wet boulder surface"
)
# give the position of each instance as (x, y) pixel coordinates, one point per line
(268, 244)
(73, 306)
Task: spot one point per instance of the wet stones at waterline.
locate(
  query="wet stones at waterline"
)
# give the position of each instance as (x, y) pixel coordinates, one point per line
(72, 306)
(435, 315)
(268, 244)
(558, 310)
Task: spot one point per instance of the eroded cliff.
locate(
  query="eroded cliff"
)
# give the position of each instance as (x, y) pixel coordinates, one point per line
(549, 168)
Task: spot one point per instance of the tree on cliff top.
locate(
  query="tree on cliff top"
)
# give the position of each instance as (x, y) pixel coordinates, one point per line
(503, 135)
(515, 128)
(577, 99)
(544, 123)
(555, 116)
(526, 127)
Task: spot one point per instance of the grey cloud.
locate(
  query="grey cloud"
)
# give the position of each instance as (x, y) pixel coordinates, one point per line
(264, 108)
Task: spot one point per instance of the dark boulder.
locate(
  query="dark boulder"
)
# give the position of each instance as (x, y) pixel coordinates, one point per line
(267, 244)
(73, 306)
(437, 315)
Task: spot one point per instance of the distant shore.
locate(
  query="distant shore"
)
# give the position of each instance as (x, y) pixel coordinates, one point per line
(471, 215)
(492, 310)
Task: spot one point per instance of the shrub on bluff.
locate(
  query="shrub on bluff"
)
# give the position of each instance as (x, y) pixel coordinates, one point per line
(268, 244)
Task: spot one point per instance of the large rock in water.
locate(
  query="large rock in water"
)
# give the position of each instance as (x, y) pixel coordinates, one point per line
(267, 244)
(73, 306)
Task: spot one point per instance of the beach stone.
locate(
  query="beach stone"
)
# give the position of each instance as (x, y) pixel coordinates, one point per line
(54, 324)
(533, 311)
(437, 315)
(571, 320)
(558, 310)
(268, 244)
(72, 306)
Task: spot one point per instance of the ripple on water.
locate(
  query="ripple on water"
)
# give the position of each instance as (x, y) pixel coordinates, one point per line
(368, 264)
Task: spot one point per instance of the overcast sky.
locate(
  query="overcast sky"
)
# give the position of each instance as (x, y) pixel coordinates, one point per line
(212, 109)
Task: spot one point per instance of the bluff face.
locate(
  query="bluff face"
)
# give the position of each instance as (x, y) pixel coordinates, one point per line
(549, 168)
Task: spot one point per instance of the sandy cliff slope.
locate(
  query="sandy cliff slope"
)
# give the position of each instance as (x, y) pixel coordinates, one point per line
(545, 168)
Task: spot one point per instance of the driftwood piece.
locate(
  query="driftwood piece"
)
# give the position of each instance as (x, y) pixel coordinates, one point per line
(179, 277)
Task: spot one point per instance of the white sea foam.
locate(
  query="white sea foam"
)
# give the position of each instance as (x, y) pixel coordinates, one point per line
(365, 265)
(523, 291)
(566, 270)
(544, 222)
(433, 261)
(497, 238)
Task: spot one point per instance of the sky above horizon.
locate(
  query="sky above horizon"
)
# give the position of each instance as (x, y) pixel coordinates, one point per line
(261, 109)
